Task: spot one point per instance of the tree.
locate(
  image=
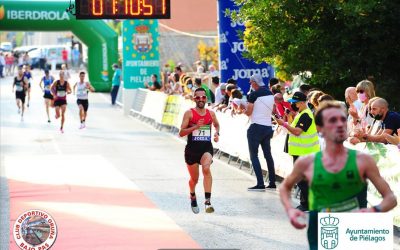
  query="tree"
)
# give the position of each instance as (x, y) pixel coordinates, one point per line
(340, 42)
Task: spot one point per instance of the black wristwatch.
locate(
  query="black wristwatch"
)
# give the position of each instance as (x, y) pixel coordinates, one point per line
(377, 208)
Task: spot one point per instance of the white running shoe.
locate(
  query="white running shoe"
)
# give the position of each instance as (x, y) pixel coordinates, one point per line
(22, 118)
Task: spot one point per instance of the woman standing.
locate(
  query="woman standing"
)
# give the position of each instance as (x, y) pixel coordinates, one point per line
(60, 89)
(47, 80)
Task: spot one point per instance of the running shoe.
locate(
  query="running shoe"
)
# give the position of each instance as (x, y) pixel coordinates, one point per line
(48, 121)
(209, 207)
(22, 118)
(195, 207)
(62, 131)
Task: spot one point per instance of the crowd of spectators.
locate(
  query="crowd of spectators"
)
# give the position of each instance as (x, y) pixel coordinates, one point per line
(369, 117)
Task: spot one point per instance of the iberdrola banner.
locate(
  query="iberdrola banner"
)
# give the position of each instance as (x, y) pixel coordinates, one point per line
(141, 56)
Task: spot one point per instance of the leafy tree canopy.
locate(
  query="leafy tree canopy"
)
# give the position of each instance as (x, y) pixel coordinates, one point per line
(340, 42)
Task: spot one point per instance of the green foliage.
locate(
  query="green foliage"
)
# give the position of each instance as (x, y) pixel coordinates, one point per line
(340, 42)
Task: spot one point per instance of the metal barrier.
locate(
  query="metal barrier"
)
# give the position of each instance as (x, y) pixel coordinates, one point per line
(168, 111)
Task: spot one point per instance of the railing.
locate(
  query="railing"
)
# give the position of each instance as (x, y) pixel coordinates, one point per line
(167, 111)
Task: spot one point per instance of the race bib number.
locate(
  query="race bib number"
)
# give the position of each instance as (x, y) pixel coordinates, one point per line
(19, 88)
(345, 206)
(47, 87)
(61, 93)
(202, 134)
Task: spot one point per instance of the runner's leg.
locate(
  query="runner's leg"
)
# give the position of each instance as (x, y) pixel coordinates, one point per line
(206, 161)
(63, 109)
(194, 178)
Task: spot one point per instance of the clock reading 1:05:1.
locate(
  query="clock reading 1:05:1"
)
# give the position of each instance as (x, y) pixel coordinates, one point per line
(123, 9)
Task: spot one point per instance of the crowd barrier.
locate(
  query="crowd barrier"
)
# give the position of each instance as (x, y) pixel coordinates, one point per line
(168, 111)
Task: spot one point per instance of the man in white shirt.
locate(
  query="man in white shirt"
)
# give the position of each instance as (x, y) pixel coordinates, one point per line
(259, 109)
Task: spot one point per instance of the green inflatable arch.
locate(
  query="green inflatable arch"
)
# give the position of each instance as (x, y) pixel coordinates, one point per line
(42, 15)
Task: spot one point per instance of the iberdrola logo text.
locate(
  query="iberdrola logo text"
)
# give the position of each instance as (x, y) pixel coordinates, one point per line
(33, 15)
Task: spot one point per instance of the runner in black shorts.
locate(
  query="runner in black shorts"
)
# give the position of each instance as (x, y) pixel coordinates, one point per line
(60, 89)
(82, 97)
(20, 84)
(196, 125)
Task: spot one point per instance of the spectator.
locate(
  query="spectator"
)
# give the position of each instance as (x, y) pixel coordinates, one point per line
(390, 122)
(238, 103)
(234, 82)
(272, 82)
(2, 64)
(225, 104)
(9, 64)
(76, 55)
(302, 138)
(220, 93)
(175, 84)
(393, 139)
(185, 81)
(199, 67)
(365, 91)
(155, 85)
(325, 97)
(116, 81)
(277, 88)
(259, 109)
(213, 74)
(198, 84)
(64, 55)
(314, 98)
(283, 109)
(305, 89)
(67, 75)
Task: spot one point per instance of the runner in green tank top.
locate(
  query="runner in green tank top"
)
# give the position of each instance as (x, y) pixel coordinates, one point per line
(336, 176)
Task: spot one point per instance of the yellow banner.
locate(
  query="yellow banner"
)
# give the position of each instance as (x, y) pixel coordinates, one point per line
(171, 111)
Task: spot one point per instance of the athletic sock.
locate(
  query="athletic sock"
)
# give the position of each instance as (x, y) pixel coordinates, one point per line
(193, 196)
(208, 197)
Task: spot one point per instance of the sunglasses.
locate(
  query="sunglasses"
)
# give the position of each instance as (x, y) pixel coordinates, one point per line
(360, 91)
(202, 98)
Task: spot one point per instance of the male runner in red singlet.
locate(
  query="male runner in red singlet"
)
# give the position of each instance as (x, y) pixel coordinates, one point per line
(196, 125)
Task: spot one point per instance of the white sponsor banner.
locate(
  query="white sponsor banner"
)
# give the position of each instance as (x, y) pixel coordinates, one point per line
(366, 231)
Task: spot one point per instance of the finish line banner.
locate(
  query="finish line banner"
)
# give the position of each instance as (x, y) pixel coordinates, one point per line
(366, 231)
(141, 57)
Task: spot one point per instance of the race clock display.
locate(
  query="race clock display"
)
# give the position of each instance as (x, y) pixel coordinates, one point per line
(123, 9)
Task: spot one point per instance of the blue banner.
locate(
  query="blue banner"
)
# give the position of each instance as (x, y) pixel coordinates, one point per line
(140, 57)
(232, 63)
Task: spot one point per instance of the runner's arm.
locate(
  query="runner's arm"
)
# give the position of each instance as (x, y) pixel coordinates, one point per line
(68, 88)
(90, 87)
(300, 167)
(53, 88)
(216, 126)
(40, 84)
(372, 173)
(185, 124)
(74, 88)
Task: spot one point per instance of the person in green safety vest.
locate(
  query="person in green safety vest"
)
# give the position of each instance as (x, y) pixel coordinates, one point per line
(337, 175)
(302, 138)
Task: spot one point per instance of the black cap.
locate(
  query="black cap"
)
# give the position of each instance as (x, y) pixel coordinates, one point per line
(298, 97)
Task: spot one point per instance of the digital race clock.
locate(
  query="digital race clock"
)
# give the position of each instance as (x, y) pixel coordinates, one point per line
(123, 9)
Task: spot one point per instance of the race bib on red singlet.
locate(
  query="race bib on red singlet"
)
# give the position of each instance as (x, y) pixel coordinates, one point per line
(202, 134)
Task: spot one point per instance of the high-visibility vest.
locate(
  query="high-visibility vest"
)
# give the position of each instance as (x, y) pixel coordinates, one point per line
(307, 142)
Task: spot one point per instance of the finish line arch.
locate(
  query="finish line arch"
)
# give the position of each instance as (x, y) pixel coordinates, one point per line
(42, 15)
